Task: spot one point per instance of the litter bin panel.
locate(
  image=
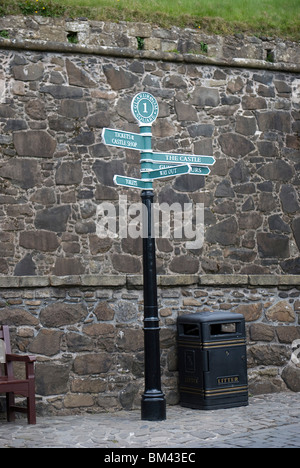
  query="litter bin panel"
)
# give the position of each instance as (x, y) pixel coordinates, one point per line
(212, 360)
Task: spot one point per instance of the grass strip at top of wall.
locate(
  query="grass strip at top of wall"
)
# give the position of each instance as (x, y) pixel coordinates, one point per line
(226, 17)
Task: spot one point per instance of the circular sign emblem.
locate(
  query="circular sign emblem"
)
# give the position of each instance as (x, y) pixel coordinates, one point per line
(144, 108)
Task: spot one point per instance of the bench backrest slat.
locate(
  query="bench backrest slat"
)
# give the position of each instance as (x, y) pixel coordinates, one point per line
(4, 335)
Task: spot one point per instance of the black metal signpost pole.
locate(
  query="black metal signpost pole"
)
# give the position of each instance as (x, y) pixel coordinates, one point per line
(144, 108)
(153, 400)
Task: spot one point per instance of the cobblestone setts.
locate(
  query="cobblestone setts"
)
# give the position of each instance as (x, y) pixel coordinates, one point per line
(270, 421)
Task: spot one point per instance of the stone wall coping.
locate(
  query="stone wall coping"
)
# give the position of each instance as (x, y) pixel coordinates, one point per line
(136, 281)
(127, 52)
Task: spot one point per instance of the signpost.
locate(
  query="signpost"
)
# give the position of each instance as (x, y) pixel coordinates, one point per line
(144, 108)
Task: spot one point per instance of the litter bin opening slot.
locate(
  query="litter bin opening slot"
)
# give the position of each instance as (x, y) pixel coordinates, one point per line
(190, 329)
(223, 328)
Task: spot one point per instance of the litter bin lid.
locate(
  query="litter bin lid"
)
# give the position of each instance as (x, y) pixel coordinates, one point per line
(201, 317)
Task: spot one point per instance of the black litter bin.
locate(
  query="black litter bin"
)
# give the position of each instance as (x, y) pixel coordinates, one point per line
(212, 360)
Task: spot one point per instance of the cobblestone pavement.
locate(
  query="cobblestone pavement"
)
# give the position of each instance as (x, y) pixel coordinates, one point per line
(270, 421)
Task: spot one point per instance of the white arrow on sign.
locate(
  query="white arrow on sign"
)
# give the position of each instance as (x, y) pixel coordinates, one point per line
(122, 139)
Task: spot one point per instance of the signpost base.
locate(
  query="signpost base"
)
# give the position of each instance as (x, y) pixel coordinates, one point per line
(153, 407)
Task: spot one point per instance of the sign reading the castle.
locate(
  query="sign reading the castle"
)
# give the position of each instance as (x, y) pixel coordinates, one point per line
(173, 158)
(144, 108)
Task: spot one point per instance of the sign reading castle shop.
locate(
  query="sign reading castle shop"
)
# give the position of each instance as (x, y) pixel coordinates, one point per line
(122, 139)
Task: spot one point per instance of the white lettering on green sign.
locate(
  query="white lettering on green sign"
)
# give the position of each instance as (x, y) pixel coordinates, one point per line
(170, 171)
(131, 182)
(180, 159)
(183, 158)
(124, 139)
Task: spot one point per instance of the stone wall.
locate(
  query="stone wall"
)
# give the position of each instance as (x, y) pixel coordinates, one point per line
(87, 333)
(74, 298)
(55, 169)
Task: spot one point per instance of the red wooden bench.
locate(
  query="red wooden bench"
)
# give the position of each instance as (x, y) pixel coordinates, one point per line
(13, 386)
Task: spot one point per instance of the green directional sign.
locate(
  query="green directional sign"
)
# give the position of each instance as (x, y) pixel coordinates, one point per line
(131, 182)
(195, 170)
(150, 166)
(144, 108)
(200, 170)
(181, 159)
(122, 139)
(169, 172)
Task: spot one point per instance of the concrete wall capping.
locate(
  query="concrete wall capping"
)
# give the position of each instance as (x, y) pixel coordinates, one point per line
(136, 281)
(121, 40)
(126, 52)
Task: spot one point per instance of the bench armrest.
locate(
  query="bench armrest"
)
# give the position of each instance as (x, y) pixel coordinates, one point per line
(20, 358)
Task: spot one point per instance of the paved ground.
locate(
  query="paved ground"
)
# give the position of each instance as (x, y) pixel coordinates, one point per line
(270, 421)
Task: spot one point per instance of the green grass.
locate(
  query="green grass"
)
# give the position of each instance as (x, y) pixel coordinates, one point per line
(258, 17)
